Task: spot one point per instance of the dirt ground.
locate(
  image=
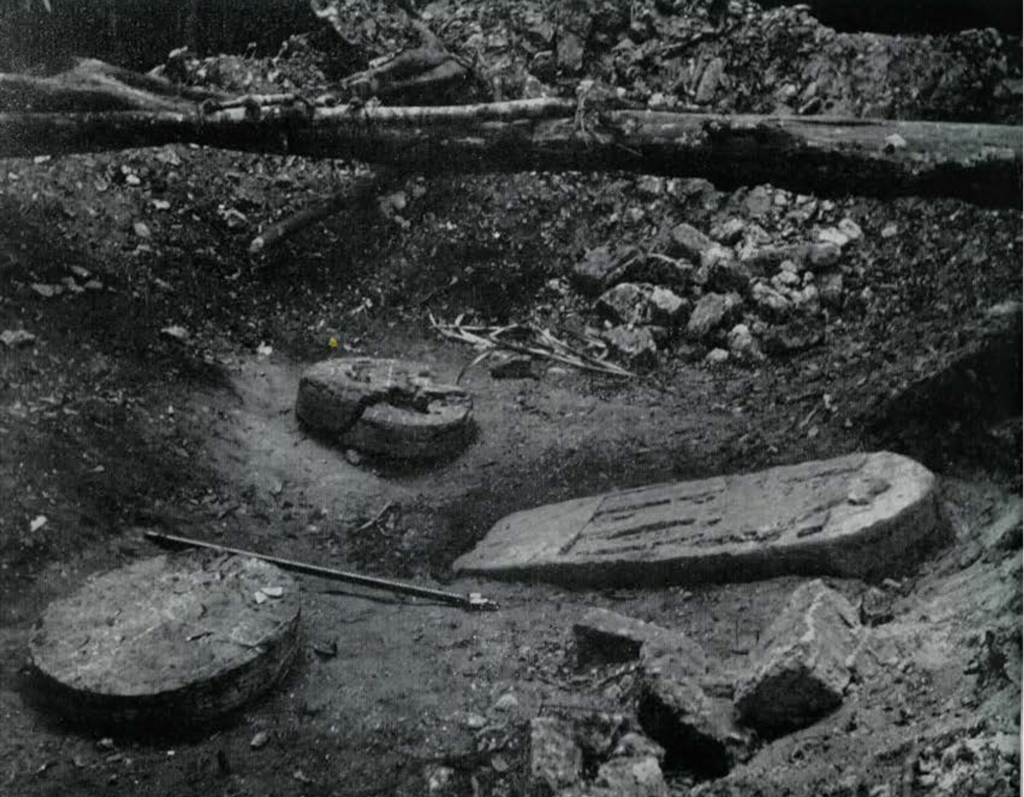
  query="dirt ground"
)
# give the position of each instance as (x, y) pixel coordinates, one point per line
(158, 394)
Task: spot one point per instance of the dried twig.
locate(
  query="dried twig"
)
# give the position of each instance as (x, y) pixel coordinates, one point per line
(534, 341)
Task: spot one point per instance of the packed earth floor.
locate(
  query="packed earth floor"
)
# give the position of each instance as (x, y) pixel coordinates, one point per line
(148, 381)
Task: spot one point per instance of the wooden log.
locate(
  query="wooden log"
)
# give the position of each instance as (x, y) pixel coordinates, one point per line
(825, 156)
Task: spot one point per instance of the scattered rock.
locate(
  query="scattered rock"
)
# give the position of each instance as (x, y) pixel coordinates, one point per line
(742, 344)
(832, 235)
(604, 636)
(142, 230)
(799, 668)
(712, 311)
(506, 702)
(16, 338)
(724, 273)
(687, 240)
(710, 81)
(876, 607)
(772, 304)
(569, 53)
(598, 271)
(795, 336)
(823, 254)
(696, 731)
(851, 229)
(807, 300)
(176, 332)
(439, 778)
(556, 761)
(830, 289)
(626, 303)
(259, 740)
(47, 291)
(729, 232)
(716, 356)
(635, 345)
(666, 308)
(634, 776)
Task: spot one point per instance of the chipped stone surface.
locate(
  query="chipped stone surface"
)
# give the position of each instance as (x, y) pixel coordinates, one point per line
(800, 668)
(697, 731)
(388, 407)
(605, 636)
(792, 519)
(712, 311)
(556, 761)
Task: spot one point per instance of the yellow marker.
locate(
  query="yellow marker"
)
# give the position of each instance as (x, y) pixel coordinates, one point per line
(333, 342)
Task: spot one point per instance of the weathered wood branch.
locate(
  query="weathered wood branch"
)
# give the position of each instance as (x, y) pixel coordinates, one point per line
(348, 199)
(825, 156)
(96, 86)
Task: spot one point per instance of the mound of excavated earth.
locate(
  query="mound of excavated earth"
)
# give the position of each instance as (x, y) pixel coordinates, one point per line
(386, 407)
(861, 515)
(166, 643)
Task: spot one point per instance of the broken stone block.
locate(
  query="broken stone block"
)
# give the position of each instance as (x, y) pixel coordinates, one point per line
(712, 311)
(556, 761)
(604, 636)
(382, 406)
(800, 667)
(689, 241)
(772, 304)
(725, 273)
(626, 303)
(876, 607)
(697, 731)
(635, 345)
(598, 271)
(634, 776)
(743, 345)
(795, 336)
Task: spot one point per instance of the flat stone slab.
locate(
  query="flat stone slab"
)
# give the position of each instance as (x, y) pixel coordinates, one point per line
(166, 643)
(860, 515)
(388, 407)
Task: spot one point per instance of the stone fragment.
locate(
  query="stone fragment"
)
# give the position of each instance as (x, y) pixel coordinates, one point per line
(876, 607)
(800, 666)
(598, 271)
(697, 732)
(729, 232)
(823, 254)
(742, 344)
(830, 289)
(712, 311)
(832, 235)
(807, 300)
(626, 303)
(716, 356)
(772, 304)
(764, 260)
(798, 335)
(689, 241)
(506, 702)
(850, 229)
(710, 81)
(636, 345)
(16, 338)
(634, 776)
(556, 761)
(569, 53)
(726, 274)
(604, 636)
(666, 307)
(758, 201)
